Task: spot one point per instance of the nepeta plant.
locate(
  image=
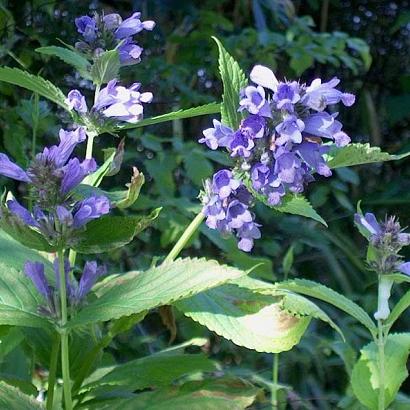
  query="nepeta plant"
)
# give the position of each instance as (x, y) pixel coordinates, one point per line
(278, 135)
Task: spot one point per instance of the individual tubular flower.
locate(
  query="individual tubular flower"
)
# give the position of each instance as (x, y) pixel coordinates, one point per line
(111, 32)
(278, 146)
(124, 104)
(75, 100)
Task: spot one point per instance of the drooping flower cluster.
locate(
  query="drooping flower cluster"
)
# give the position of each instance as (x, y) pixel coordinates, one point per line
(387, 239)
(108, 32)
(52, 175)
(278, 146)
(226, 206)
(76, 291)
(113, 101)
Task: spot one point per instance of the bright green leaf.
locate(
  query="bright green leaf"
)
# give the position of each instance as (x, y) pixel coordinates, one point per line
(13, 398)
(106, 67)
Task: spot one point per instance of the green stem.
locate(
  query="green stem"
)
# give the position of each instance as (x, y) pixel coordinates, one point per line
(52, 372)
(275, 380)
(65, 360)
(90, 144)
(186, 236)
(380, 343)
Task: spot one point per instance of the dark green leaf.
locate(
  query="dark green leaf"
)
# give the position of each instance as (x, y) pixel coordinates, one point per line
(12, 398)
(106, 67)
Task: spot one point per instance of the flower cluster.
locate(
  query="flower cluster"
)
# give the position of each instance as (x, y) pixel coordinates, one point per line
(226, 206)
(76, 291)
(113, 101)
(278, 145)
(52, 175)
(107, 32)
(387, 239)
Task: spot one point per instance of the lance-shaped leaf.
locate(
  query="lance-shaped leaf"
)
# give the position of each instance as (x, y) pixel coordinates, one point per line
(357, 154)
(212, 108)
(33, 83)
(211, 394)
(246, 318)
(365, 378)
(112, 232)
(135, 292)
(19, 300)
(71, 57)
(106, 67)
(13, 398)
(233, 79)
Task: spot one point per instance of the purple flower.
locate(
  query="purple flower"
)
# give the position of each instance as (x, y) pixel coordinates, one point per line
(319, 95)
(90, 208)
(260, 176)
(213, 210)
(129, 52)
(75, 100)
(11, 170)
(286, 95)
(312, 154)
(237, 214)
(253, 126)
(223, 183)
(264, 77)
(112, 21)
(287, 166)
(247, 233)
(133, 25)
(241, 145)
(369, 223)
(324, 125)
(289, 130)
(404, 268)
(254, 101)
(122, 103)
(64, 216)
(74, 172)
(87, 26)
(35, 271)
(22, 213)
(90, 275)
(218, 136)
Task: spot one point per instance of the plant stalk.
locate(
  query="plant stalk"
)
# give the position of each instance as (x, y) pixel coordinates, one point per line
(275, 380)
(381, 343)
(65, 359)
(52, 373)
(186, 236)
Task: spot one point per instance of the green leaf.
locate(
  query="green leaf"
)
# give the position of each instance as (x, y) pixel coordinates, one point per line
(112, 232)
(33, 83)
(318, 291)
(246, 318)
(197, 167)
(135, 292)
(124, 199)
(212, 394)
(233, 79)
(21, 232)
(212, 108)
(400, 307)
(365, 376)
(151, 371)
(71, 57)
(106, 67)
(357, 154)
(298, 305)
(13, 398)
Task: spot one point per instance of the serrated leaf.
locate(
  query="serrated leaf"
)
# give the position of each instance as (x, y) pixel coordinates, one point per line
(365, 375)
(357, 154)
(13, 398)
(135, 292)
(233, 79)
(212, 108)
(246, 318)
(111, 232)
(106, 67)
(147, 372)
(124, 199)
(33, 83)
(19, 300)
(318, 291)
(212, 394)
(298, 305)
(70, 57)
